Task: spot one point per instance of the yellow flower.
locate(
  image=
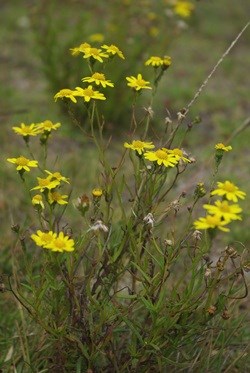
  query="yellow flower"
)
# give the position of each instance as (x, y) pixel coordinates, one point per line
(46, 183)
(89, 93)
(139, 146)
(178, 153)
(222, 209)
(97, 192)
(81, 49)
(211, 222)
(162, 156)
(66, 93)
(57, 176)
(113, 50)
(61, 243)
(221, 146)
(98, 37)
(43, 238)
(56, 197)
(37, 200)
(98, 79)
(26, 130)
(47, 126)
(229, 190)
(137, 82)
(22, 163)
(183, 8)
(166, 61)
(154, 61)
(95, 53)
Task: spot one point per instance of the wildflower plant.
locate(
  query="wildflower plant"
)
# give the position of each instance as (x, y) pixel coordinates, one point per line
(138, 284)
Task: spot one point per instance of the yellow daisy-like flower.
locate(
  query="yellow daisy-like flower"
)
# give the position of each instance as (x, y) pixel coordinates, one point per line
(183, 8)
(139, 146)
(37, 200)
(22, 163)
(43, 238)
(113, 50)
(137, 83)
(98, 79)
(98, 37)
(26, 130)
(56, 197)
(89, 93)
(48, 126)
(178, 153)
(95, 53)
(57, 176)
(66, 93)
(222, 209)
(61, 243)
(162, 156)
(46, 184)
(154, 61)
(211, 221)
(81, 49)
(223, 147)
(97, 192)
(228, 190)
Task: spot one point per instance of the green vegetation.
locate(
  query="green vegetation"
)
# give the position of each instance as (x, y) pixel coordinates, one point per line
(125, 226)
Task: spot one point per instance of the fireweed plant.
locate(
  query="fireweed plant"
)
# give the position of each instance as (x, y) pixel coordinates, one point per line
(143, 285)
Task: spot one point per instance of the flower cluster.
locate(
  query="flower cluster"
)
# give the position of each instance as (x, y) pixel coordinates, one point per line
(156, 61)
(221, 213)
(97, 54)
(34, 129)
(48, 186)
(54, 242)
(98, 78)
(163, 156)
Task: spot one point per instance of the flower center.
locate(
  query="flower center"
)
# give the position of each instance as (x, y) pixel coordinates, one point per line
(224, 207)
(229, 187)
(141, 82)
(59, 243)
(161, 154)
(98, 76)
(46, 238)
(88, 92)
(94, 51)
(138, 144)
(22, 161)
(43, 182)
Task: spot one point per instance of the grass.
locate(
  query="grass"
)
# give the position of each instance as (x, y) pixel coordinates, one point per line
(223, 106)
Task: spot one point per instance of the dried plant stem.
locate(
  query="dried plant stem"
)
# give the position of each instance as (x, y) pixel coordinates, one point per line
(197, 94)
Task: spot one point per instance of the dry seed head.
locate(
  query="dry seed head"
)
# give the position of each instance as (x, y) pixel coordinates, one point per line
(149, 219)
(168, 242)
(168, 121)
(220, 266)
(211, 310)
(225, 315)
(99, 226)
(231, 252)
(150, 111)
(197, 235)
(207, 273)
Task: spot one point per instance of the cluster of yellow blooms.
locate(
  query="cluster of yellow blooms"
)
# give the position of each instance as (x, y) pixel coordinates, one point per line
(47, 186)
(99, 79)
(221, 213)
(163, 156)
(52, 241)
